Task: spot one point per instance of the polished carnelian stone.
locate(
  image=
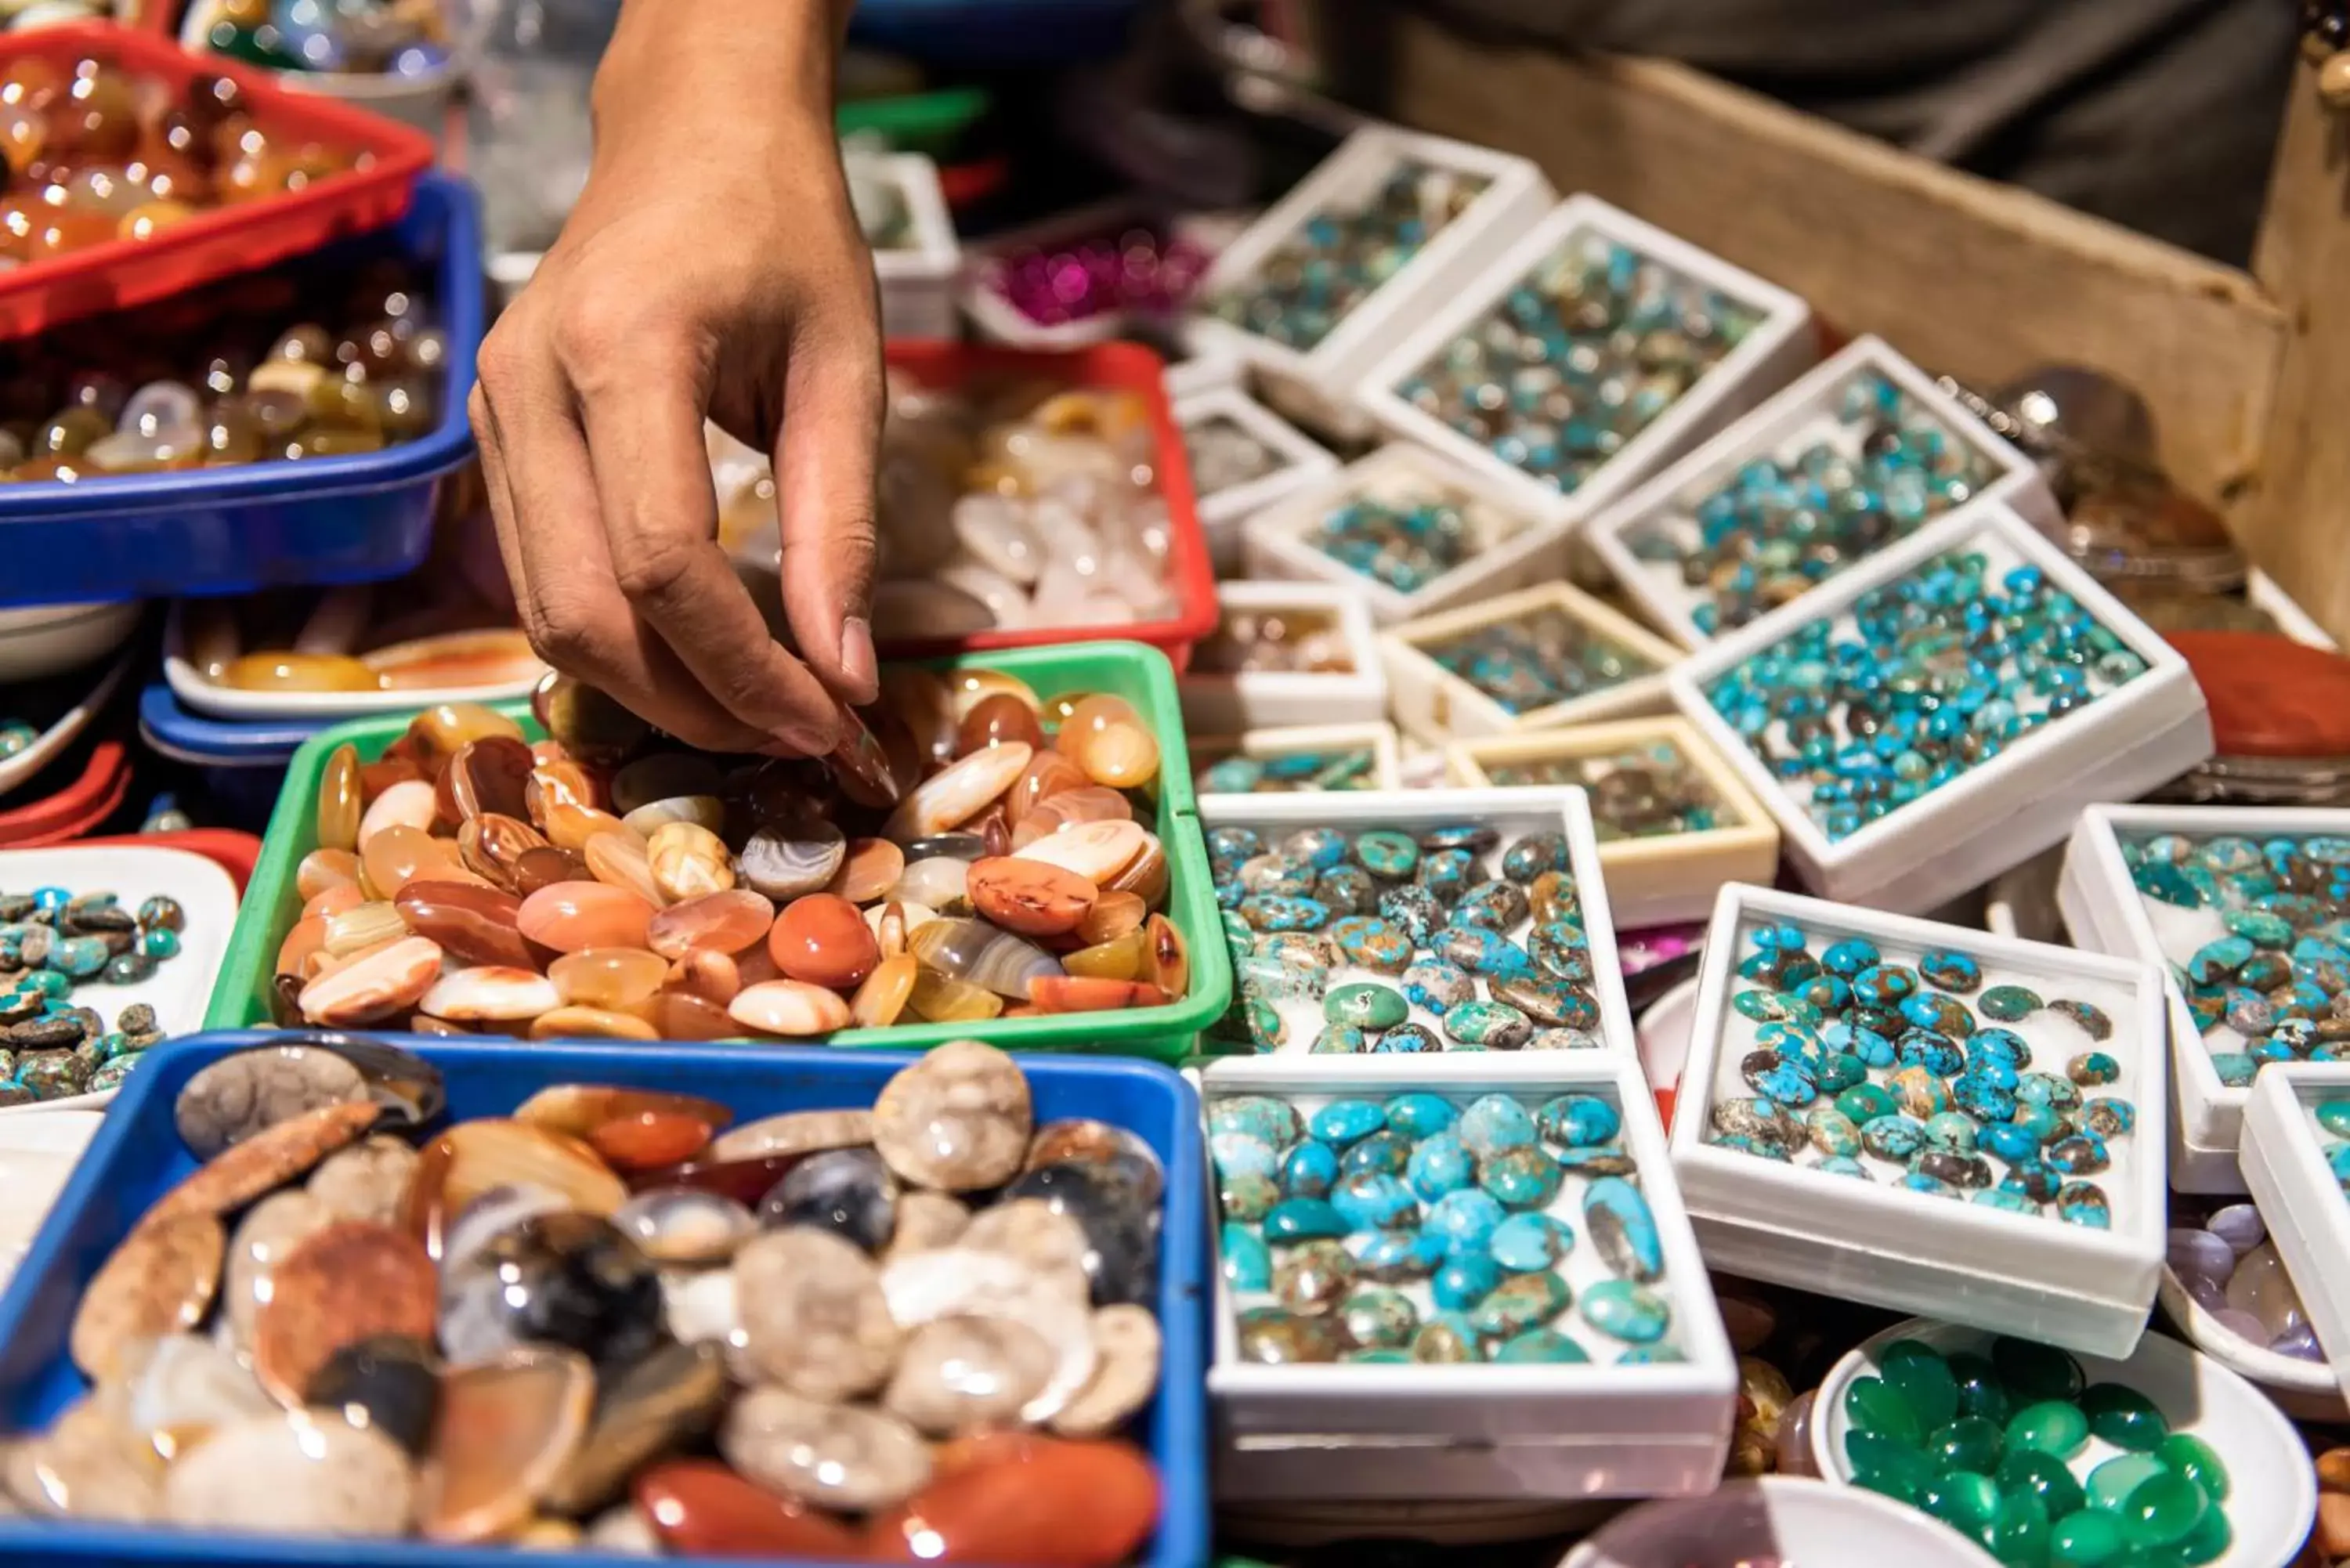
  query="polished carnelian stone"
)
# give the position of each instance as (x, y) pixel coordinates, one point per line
(1050, 1504)
(2270, 696)
(1079, 993)
(699, 1508)
(1030, 896)
(721, 922)
(480, 925)
(744, 1180)
(572, 917)
(823, 939)
(650, 1140)
(996, 719)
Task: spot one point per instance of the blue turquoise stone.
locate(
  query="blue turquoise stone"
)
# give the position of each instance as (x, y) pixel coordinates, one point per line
(1885, 985)
(1778, 1079)
(1341, 1122)
(1920, 1091)
(1243, 1154)
(1951, 1130)
(1522, 1178)
(80, 957)
(1397, 1256)
(1546, 1346)
(1484, 952)
(1651, 1355)
(1437, 985)
(1626, 1311)
(1831, 1131)
(1421, 1114)
(1525, 1243)
(2337, 1160)
(1339, 1040)
(1768, 1006)
(2006, 1141)
(1943, 1014)
(1600, 1159)
(50, 983)
(1949, 969)
(1466, 1278)
(1494, 1121)
(1496, 905)
(1895, 1137)
(1446, 872)
(1561, 948)
(2041, 1121)
(1413, 911)
(1383, 1151)
(1372, 1200)
(1873, 1048)
(2084, 1203)
(51, 898)
(1536, 853)
(2259, 928)
(2081, 1154)
(2215, 961)
(1623, 1229)
(1469, 837)
(2001, 1198)
(1849, 957)
(1488, 1025)
(2047, 1089)
(1408, 1039)
(1466, 1220)
(1321, 847)
(1842, 1165)
(1920, 1181)
(1519, 1302)
(1379, 1319)
(1839, 1072)
(1372, 942)
(1282, 912)
(1348, 889)
(1392, 856)
(1248, 1262)
(2002, 1045)
(1279, 876)
(1304, 1219)
(1935, 1052)
(1229, 895)
(160, 942)
(1981, 1095)
(1800, 1041)
(1270, 1121)
(1309, 1169)
(1229, 848)
(1578, 1121)
(2108, 1118)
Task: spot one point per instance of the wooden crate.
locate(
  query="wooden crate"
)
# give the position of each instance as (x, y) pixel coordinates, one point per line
(2247, 372)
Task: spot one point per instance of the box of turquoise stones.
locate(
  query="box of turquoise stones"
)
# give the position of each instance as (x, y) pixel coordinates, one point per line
(1944, 710)
(1303, 759)
(1539, 659)
(1314, 292)
(1443, 1284)
(1928, 1119)
(1588, 355)
(1367, 928)
(2248, 913)
(2295, 1158)
(1860, 453)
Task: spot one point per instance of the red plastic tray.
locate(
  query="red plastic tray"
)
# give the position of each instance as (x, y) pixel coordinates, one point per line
(1127, 366)
(216, 242)
(73, 811)
(235, 853)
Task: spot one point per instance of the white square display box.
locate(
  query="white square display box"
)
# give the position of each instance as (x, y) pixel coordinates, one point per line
(1377, 737)
(918, 278)
(2007, 810)
(1662, 513)
(1513, 814)
(1483, 1429)
(2106, 912)
(1225, 704)
(1660, 880)
(1203, 373)
(2285, 1165)
(1439, 707)
(1299, 458)
(1779, 348)
(1515, 196)
(2033, 1275)
(1513, 547)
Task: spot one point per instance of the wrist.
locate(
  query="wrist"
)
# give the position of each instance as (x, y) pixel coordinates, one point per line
(753, 70)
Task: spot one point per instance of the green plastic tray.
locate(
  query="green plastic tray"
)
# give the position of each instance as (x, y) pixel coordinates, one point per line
(1141, 675)
(915, 122)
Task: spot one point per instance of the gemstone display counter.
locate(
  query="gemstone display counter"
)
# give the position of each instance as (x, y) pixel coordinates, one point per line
(1926, 1117)
(1535, 660)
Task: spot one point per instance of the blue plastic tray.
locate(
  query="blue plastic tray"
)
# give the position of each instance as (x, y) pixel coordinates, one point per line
(138, 1156)
(264, 524)
(244, 765)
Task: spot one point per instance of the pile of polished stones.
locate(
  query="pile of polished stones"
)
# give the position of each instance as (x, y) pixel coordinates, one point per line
(2270, 980)
(1290, 773)
(1428, 1229)
(1784, 523)
(54, 942)
(1539, 659)
(1926, 678)
(1857, 1057)
(2228, 1266)
(1582, 354)
(1647, 791)
(1341, 254)
(1350, 939)
(614, 1318)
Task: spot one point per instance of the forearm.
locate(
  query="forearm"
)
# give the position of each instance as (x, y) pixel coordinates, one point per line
(756, 62)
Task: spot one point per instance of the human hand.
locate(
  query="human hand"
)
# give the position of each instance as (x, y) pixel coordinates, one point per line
(712, 266)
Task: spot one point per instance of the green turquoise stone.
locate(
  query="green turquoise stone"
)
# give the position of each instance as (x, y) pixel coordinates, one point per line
(1518, 1304)
(1872, 1453)
(2008, 1002)
(1339, 1040)
(1446, 1338)
(1980, 1390)
(2193, 1457)
(1265, 1028)
(2123, 1418)
(1969, 1443)
(1923, 1378)
(1393, 856)
(2086, 1540)
(1380, 1357)
(1365, 1005)
(2019, 1531)
(1966, 1503)
(2035, 1372)
(2053, 1427)
(1864, 1103)
(1522, 1178)
(1873, 1405)
(1542, 1345)
(1248, 1263)
(2045, 1476)
(1379, 1319)
(1494, 1026)
(2111, 1483)
(1631, 1313)
(2334, 1116)
(2161, 1510)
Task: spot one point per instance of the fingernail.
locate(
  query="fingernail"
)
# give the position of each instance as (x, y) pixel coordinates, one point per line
(857, 658)
(808, 740)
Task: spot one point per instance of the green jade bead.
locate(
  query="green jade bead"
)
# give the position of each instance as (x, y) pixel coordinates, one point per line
(2123, 1418)
(2034, 1372)
(2046, 1477)
(1969, 1443)
(2086, 1540)
(2162, 1510)
(2208, 1540)
(1981, 1393)
(1923, 1378)
(1888, 1483)
(1873, 1405)
(2020, 1529)
(1967, 1503)
(2193, 1457)
(2052, 1428)
(2111, 1483)
(1903, 1464)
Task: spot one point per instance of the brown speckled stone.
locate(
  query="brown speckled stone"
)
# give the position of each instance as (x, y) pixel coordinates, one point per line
(267, 1160)
(957, 1120)
(159, 1281)
(814, 1317)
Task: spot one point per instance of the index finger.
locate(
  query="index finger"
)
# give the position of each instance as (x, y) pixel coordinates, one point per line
(642, 410)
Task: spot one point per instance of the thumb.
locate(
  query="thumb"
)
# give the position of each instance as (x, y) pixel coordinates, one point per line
(825, 458)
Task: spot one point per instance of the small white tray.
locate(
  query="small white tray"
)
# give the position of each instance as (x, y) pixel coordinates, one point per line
(1203, 373)
(1654, 881)
(2273, 1490)
(2307, 1213)
(1517, 547)
(202, 696)
(2106, 913)
(68, 727)
(1482, 1430)
(1439, 706)
(1375, 737)
(2033, 1276)
(1223, 513)
(918, 278)
(1222, 704)
(1512, 813)
(1515, 197)
(1777, 1518)
(1778, 348)
(182, 987)
(1660, 515)
(2004, 811)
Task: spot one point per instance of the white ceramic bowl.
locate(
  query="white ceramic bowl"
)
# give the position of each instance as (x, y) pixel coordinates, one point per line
(65, 729)
(2273, 1494)
(180, 989)
(2306, 1390)
(1802, 1523)
(46, 638)
(202, 696)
